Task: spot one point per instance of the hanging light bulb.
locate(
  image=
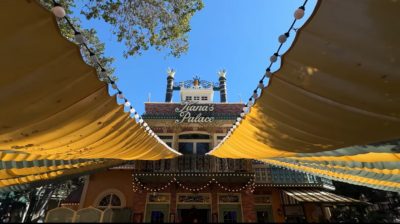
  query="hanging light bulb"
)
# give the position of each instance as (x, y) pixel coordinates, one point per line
(238, 119)
(145, 124)
(58, 10)
(132, 110)
(299, 13)
(268, 73)
(127, 103)
(103, 74)
(260, 84)
(237, 123)
(282, 38)
(250, 103)
(93, 58)
(120, 95)
(136, 115)
(242, 114)
(255, 95)
(140, 121)
(274, 57)
(113, 85)
(79, 37)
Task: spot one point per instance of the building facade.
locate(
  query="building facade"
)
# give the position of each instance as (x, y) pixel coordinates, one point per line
(196, 187)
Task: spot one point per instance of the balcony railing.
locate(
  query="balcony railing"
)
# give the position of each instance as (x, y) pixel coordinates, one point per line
(194, 163)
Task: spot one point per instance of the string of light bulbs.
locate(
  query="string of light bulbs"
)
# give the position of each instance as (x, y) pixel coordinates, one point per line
(137, 186)
(298, 14)
(103, 75)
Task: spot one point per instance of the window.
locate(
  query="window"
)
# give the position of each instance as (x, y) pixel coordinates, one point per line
(220, 137)
(190, 144)
(202, 148)
(204, 98)
(196, 98)
(186, 148)
(168, 139)
(263, 174)
(230, 217)
(188, 97)
(110, 200)
(157, 217)
(194, 136)
(262, 217)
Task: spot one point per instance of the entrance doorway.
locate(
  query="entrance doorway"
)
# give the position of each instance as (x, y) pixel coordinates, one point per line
(194, 215)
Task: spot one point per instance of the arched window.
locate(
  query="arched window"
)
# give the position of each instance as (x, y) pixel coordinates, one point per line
(109, 201)
(110, 198)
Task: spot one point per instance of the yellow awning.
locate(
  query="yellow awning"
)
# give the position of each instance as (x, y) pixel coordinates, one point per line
(338, 86)
(54, 108)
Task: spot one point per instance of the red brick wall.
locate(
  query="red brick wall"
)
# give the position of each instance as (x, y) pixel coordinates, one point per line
(249, 215)
(122, 180)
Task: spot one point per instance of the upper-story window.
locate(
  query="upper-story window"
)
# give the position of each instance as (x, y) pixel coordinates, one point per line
(194, 144)
(219, 138)
(196, 98)
(204, 98)
(168, 139)
(188, 97)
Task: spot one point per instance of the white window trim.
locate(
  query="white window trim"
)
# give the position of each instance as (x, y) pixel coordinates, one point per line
(116, 192)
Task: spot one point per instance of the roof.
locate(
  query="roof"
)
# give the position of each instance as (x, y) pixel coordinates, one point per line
(168, 109)
(315, 195)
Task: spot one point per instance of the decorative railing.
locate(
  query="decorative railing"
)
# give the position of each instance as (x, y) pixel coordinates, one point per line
(266, 174)
(194, 163)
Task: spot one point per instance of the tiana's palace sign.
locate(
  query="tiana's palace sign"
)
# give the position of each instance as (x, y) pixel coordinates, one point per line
(194, 113)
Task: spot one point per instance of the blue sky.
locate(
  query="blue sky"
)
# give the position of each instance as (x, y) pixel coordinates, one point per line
(238, 36)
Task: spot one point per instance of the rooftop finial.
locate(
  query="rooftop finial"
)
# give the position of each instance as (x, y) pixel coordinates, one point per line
(222, 73)
(196, 81)
(171, 72)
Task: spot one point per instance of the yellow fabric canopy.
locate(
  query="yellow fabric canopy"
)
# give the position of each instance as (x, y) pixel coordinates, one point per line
(338, 86)
(54, 108)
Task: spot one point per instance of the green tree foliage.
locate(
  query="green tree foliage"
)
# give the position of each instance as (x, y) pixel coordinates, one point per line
(139, 24)
(144, 23)
(31, 205)
(90, 35)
